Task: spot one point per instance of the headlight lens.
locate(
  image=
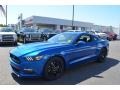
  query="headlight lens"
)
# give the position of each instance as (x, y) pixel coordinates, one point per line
(34, 58)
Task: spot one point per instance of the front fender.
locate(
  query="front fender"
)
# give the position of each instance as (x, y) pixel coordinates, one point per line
(60, 56)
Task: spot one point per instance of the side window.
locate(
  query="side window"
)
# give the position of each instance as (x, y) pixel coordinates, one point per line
(85, 38)
(95, 38)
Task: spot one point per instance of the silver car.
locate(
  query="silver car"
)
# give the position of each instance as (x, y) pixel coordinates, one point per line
(7, 35)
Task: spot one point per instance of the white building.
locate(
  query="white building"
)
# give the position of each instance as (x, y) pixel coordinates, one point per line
(56, 24)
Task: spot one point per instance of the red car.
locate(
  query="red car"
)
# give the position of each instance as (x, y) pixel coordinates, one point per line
(111, 36)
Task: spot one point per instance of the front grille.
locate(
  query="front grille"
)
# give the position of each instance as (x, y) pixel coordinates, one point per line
(35, 37)
(7, 38)
(14, 58)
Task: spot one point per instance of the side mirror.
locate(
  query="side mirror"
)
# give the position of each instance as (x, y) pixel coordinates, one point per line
(15, 31)
(80, 43)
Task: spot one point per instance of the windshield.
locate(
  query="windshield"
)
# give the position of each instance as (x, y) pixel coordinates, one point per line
(63, 38)
(57, 31)
(97, 31)
(6, 30)
(90, 32)
(46, 31)
(27, 30)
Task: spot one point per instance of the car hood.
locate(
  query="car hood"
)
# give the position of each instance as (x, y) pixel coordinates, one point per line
(34, 47)
(7, 33)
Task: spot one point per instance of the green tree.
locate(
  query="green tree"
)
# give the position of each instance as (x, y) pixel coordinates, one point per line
(2, 25)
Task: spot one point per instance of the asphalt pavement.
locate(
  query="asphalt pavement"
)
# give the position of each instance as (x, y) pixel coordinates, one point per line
(107, 73)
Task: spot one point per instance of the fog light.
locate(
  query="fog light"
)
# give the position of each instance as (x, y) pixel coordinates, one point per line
(28, 70)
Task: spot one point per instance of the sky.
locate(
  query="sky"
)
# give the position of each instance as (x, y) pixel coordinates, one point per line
(108, 15)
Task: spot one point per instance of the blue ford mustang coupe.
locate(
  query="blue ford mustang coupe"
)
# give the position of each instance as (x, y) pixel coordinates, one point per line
(51, 58)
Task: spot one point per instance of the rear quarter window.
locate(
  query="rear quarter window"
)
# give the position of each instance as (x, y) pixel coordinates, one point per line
(95, 38)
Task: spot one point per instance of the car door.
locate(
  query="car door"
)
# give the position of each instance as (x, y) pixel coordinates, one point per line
(85, 51)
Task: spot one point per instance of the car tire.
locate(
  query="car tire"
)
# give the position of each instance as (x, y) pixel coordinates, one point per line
(102, 56)
(109, 39)
(15, 43)
(54, 68)
(24, 40)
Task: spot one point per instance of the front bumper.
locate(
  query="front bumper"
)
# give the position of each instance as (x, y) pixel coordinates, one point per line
(8, 41)
(28, 69)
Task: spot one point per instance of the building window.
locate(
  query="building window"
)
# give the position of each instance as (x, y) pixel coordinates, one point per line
(61, 27)
(82, 28)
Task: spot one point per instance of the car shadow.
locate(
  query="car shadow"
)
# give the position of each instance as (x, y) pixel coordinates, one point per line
(8, 45)
(74, 75)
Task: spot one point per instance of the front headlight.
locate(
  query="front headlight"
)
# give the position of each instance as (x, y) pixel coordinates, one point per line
(34, 58)
(0, 37)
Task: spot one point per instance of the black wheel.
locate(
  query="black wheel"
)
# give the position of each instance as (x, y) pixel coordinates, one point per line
(54, 68)
(102, 55)
(15, 43)
(24, 40)
(109, 39)
(45, 37)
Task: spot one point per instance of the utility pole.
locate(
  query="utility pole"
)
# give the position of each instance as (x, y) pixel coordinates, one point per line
(73, 18)
(6, 15)
(119, 31)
